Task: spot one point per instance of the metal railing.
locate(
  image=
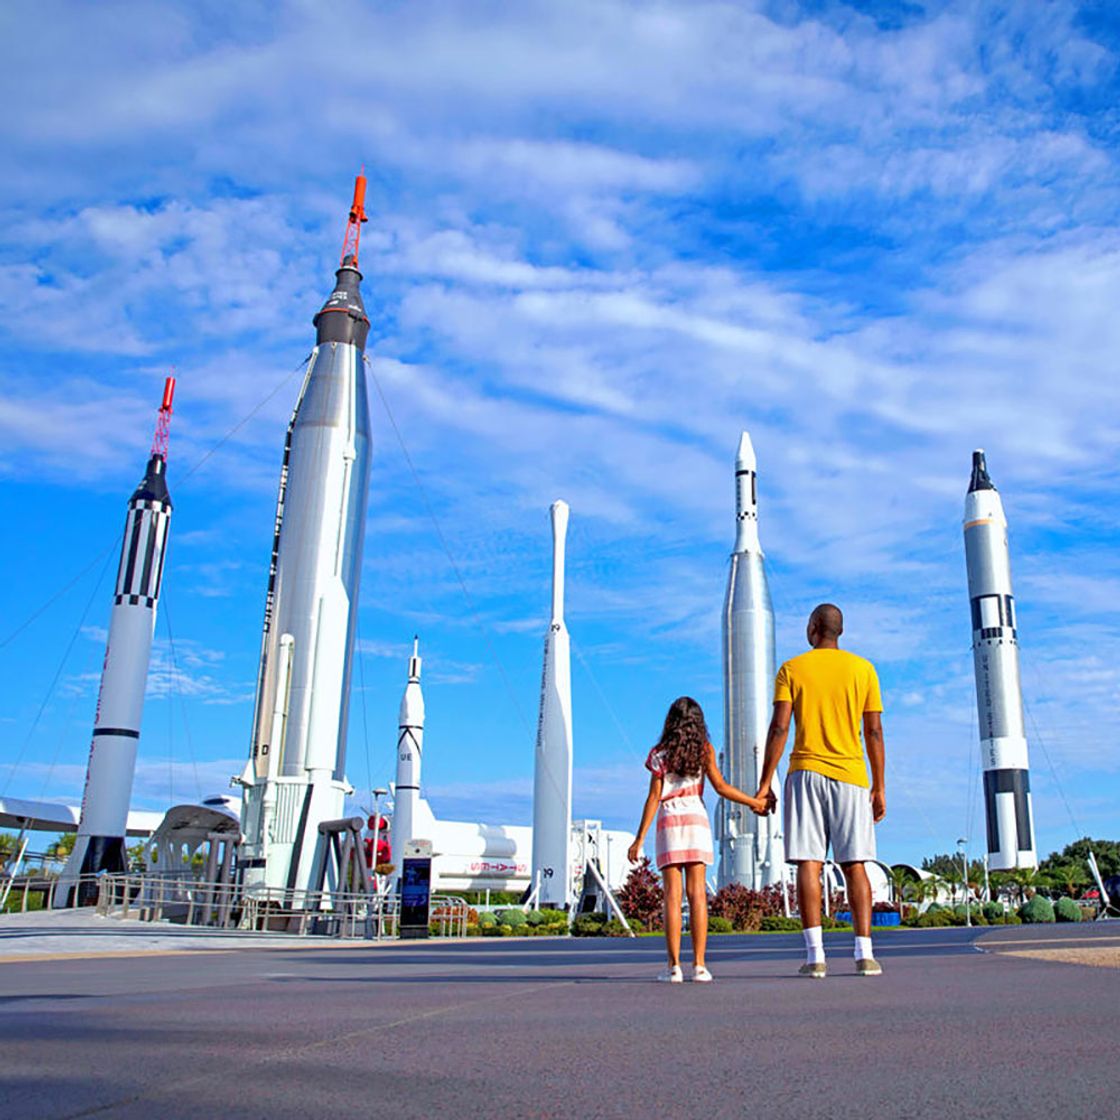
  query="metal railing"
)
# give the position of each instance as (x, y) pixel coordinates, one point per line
(173, 897)
(48, 888)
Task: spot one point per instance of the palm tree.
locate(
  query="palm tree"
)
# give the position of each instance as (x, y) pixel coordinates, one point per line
(902, 884)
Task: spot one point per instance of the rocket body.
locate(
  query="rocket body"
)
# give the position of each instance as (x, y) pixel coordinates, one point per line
(100, 845)
(552, 780)
(999, 699)
(751, 848)
(312, 599)
(410, 755)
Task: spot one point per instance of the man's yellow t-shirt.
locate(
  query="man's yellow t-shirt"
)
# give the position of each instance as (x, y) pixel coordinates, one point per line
(830, 689)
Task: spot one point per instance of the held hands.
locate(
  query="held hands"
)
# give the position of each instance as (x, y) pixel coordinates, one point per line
(878, 805)
(765, 801)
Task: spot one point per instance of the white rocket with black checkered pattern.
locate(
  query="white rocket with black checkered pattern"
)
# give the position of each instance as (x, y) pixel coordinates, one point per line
(100, 845)
(999, 697)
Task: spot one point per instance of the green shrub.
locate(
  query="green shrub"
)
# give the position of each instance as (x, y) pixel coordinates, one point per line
(779, 923)
(935, 919)
(720, 925)
(554, 917)
(534, 918)
(512, 917)
(474, 930)
(829, 922)
(614, 928)
(1066, 910)
(486, 920)
(1037, 909)
(993, 911)
(589, 925)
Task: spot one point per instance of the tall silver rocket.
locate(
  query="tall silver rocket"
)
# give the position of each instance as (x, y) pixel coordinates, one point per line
(100, 845)
(552, 780)
(295, 777)
(410, 755)
(999, 696)
(751, 848)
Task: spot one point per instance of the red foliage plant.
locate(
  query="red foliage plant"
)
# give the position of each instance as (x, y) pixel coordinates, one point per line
(743, 907)
(641, 897)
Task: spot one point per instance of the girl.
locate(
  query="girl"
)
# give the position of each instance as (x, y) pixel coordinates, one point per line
(678, 765)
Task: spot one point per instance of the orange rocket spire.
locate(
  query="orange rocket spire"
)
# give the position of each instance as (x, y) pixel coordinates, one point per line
(354, 223)
(163, 420)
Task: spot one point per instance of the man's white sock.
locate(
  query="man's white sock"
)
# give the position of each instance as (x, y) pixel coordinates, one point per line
(814, 945)
(863, 949)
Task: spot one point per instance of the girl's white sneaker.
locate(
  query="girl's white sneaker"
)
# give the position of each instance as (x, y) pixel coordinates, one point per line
(672, 975)
(701, 975)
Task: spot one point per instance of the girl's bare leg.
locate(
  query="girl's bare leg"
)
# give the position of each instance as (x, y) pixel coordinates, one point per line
(672, 878)
(697, 911)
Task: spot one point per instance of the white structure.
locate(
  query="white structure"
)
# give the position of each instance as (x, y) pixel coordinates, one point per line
(100, 845)
(751, 848)
(410, 756)
(552, 778)
(295, 778)
(999, 697)
(472, 856)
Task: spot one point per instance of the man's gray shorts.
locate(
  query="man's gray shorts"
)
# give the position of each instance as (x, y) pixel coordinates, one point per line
(820, 811)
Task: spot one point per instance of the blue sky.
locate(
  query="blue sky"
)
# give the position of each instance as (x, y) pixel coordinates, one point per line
(604, 238)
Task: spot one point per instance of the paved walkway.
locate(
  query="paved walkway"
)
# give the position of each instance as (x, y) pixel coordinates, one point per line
(561, 1028)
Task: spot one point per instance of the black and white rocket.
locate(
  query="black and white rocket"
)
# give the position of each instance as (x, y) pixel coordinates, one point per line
(999, 697)
(295, 778)
(410, 756)
(100, 845)
(751, 848)
(552, 779)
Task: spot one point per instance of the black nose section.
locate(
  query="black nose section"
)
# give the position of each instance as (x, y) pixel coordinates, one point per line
(343, 317)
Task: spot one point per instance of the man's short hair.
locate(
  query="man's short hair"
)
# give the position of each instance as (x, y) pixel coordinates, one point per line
(829, 619)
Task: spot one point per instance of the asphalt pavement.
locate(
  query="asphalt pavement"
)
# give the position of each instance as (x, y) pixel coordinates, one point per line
(565, 1028)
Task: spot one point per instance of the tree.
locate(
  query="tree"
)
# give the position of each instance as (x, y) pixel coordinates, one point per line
(1068, 869)
(641, 897)
(63, 846)
(903, 885)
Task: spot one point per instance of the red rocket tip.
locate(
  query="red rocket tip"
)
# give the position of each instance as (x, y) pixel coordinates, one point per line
(163, 420)
(168, 394)
(354, 222)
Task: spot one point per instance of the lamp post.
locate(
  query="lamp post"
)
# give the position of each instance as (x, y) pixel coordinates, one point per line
(962, 845)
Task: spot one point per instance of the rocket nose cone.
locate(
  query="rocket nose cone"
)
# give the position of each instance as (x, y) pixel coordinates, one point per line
(343, 317)
(745, 457)
(980, 479)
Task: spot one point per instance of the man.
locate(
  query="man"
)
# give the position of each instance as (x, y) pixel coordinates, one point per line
(828, 798)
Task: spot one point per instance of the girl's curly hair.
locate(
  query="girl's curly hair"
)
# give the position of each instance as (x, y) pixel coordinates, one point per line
(684, 738)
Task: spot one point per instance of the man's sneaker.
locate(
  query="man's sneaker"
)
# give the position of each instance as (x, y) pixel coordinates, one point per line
(671, 975)
(868, 967)
(814, 971)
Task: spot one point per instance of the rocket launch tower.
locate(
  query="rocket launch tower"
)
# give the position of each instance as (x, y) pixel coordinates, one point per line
(100, 845)
(999, 695)
(295, 778)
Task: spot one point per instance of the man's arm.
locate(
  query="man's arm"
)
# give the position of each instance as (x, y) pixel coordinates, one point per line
(775, 744)
(876, 755)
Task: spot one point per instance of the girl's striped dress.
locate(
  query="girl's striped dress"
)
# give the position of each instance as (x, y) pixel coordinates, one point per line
(684, 834)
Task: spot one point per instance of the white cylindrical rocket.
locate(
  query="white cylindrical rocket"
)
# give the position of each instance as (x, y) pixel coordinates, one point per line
(751, 848)
(999, 697)
(410, 755)
(100, 845)
(312, 597)
(552, 780)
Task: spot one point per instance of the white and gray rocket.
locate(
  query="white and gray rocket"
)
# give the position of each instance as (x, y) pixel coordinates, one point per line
(295, 777)
(410, 755)
(751, 848)
(100, 845)
(999, 697)
(552, 781)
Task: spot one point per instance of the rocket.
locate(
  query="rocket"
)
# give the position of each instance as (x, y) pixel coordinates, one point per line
(999, 696)
(751, 848)
(295, 775)
(410, 754)
(552, 780)
(100, 845)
